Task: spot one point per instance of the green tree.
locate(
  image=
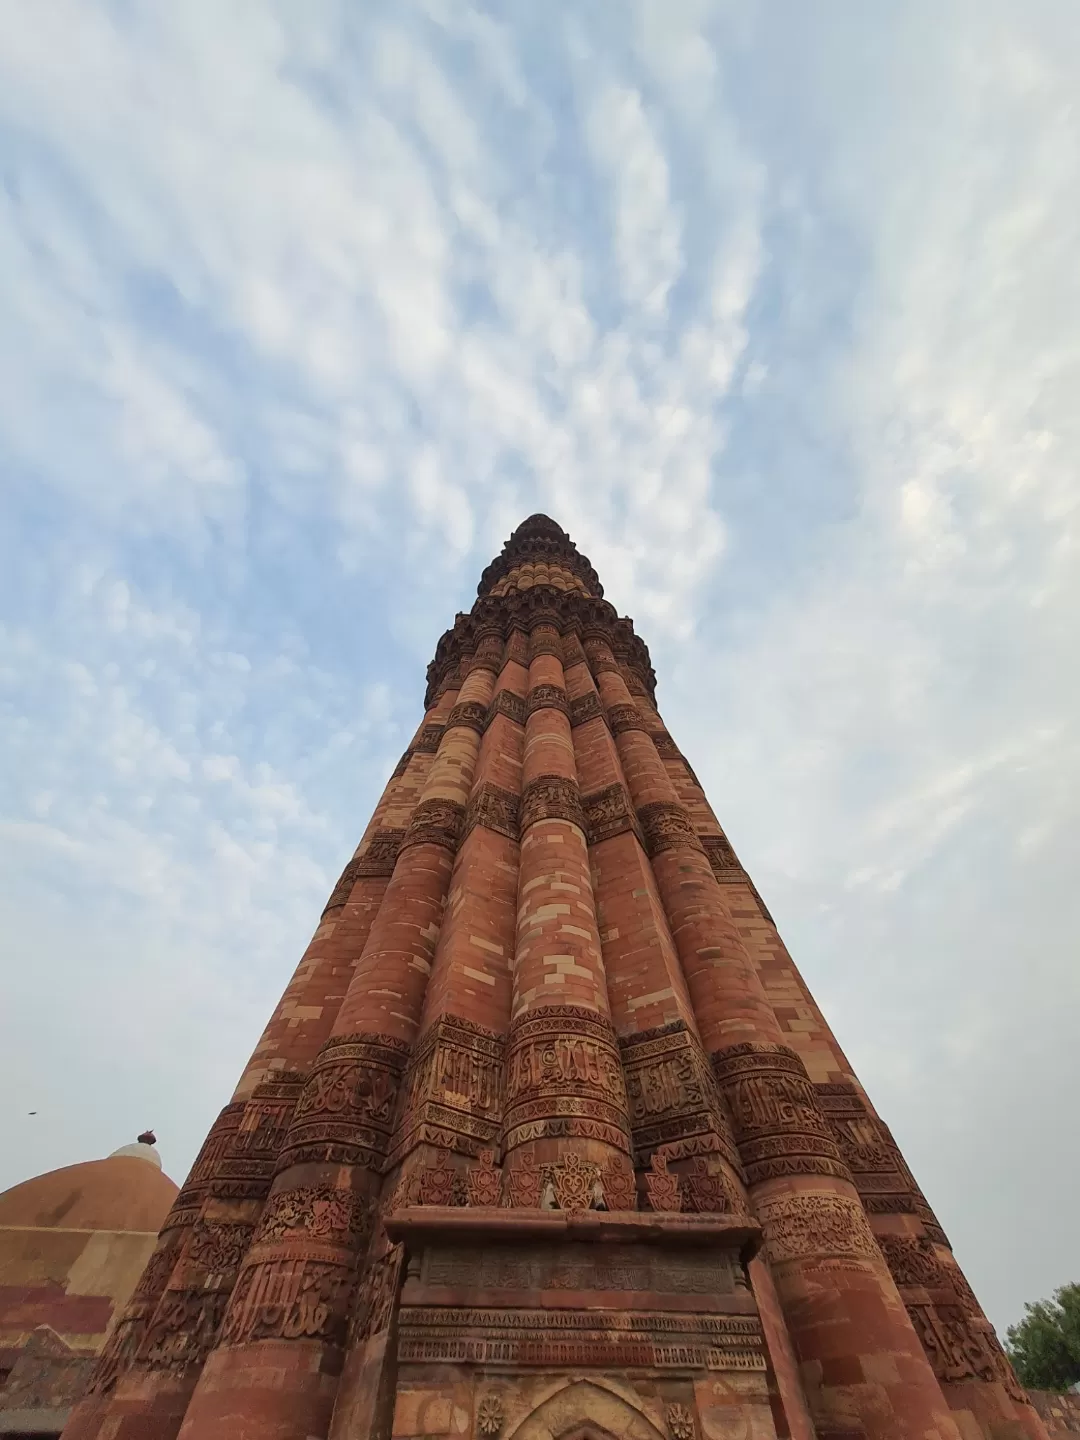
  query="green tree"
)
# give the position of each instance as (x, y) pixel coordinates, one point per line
(1044, 1346)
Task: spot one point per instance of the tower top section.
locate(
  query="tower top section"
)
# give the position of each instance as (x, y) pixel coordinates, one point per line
(539, 545)
(540, 583)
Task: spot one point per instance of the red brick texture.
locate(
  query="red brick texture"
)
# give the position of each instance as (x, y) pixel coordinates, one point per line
(545, 982)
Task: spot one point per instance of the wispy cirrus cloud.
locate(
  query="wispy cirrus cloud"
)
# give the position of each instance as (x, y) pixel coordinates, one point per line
(303, 314)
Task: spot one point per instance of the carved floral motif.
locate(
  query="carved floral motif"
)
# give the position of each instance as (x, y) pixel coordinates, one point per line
(490, 1416)
(680, 1422)
(483, 1182)
(816, 1226)
(661, 1186)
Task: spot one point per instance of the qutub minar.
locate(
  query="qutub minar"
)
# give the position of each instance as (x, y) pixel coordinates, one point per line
(547, 1138)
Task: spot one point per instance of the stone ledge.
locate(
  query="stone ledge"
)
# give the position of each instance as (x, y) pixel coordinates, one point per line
(420, 1224)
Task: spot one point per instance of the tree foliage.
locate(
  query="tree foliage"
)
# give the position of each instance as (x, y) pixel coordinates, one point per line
(1044, 1346)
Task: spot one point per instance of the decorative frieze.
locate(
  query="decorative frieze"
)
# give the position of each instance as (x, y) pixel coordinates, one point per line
(289, 1299)
(453, 1090)
(551, 797)
(508, 704)
(586, 707)
(625, 717)
(817, 1226)
(345, 1113)
(469, 713)
(563, 1078)
(379, 856)
(495, 809)
(430, 737)
(667, 825)
(546, 697)
(436, 822)
(672, 1096)
(609, 812)
(779, 1126)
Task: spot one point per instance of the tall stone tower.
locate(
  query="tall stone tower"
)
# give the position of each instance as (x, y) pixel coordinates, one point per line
(547, 1139)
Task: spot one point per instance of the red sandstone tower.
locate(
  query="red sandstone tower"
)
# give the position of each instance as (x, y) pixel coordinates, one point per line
(547, 1137)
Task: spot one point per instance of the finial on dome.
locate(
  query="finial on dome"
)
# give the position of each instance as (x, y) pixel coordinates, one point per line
(147, 1138)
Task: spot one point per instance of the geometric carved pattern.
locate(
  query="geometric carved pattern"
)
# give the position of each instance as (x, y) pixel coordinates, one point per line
(822, 1225)
(453, 1090)
(563, 1078)
(778, 1122)
(345, 1113)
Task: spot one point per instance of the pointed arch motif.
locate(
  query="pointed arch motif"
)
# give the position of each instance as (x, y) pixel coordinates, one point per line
(586, 1410)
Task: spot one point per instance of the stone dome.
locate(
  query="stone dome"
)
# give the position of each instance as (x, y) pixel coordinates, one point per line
(125, 1191)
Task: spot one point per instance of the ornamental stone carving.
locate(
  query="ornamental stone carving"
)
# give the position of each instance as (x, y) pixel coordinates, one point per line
(551, 797)
(779, 1126)
(661, 1186)
(563, 1078)
(453, 1090)
(609, 812)
(816, 1226)
(496, 809)
(345, 1113)
(667, 825)
(436, 822)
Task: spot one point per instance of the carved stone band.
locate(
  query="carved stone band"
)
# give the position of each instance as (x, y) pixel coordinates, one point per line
(495, 809)
(667, 825)
(508, 704)
(401, 766)
(544, 639)
(818, 1226)
(609, 812)
(345, 1113)
(453, 1090)
(551, 797)
(586, 707)
(469, 713)
(722, 858)
(436, 822)
(665, 745)
(673, 1097)
(380, 855)
(429, 739)
(546, 697)
(779, 1125)
(625, 717)
(882, 1178)
(563, 1077)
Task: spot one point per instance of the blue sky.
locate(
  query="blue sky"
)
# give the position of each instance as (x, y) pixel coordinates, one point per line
(775, 308)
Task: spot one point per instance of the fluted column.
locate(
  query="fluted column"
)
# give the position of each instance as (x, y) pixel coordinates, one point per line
(452, 1090)
(172, 1320)
(564, 1081)
(861, 1364)
(960, 1343)
(274, 1373)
